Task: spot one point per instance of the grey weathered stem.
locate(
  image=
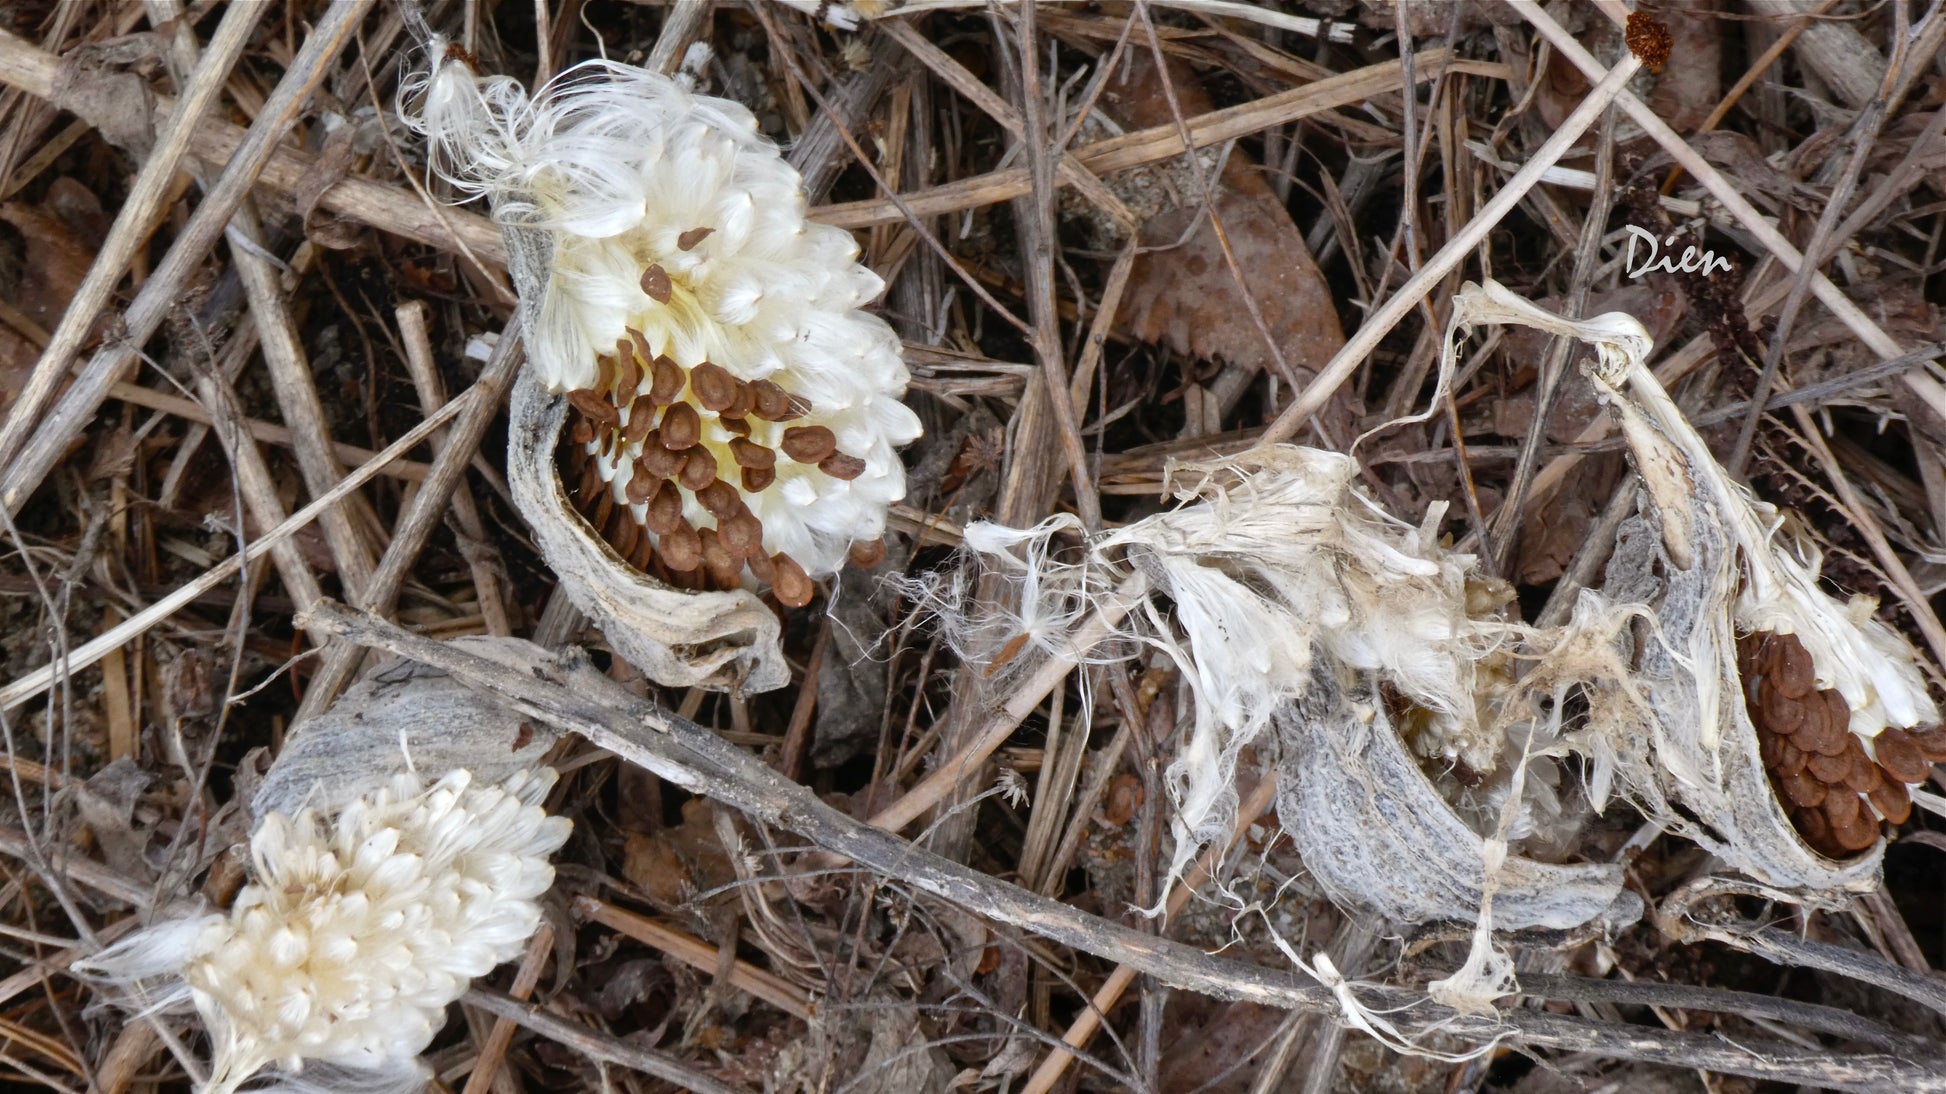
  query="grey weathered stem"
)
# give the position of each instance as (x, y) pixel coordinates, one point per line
(427, 509)
(575, 696)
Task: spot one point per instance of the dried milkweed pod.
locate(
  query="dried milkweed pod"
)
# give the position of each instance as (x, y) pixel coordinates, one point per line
(379, 888)
(1785, 723)
(1294, 602)
(706, 411)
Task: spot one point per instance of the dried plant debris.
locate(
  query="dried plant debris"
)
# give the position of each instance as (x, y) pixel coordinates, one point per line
(384, 878)
(1293, 600)
(731, 416)
(1785, 724)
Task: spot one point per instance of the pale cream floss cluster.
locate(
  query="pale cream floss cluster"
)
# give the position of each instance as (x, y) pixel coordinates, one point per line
(736, 411)
(357, 930)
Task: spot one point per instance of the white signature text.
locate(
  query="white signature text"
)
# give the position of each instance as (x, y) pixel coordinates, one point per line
(1690, 262)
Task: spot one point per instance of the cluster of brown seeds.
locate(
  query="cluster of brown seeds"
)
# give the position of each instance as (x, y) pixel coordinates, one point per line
(1834, 793)
(676, 441)
(1649, 40)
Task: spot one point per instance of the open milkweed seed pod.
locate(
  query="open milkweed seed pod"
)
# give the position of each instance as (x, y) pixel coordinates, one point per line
(1786, 724)
(399, 851)
(1293, 601)
(706, 411)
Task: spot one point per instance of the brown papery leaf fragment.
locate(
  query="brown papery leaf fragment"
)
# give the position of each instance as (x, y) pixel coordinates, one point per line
(1185, 297)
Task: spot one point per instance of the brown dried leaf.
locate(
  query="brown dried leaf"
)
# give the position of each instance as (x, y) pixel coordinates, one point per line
(52, 261)
(1210, 1039)
(1185, 297)
(1689, 86)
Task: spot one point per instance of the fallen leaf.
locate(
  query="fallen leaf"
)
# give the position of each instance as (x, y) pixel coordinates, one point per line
(1183, 295)
(1690, 85)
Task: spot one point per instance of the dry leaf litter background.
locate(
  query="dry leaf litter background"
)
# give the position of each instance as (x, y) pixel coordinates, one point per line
(1342, 630)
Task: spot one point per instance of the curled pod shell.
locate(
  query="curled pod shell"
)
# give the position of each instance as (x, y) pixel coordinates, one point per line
(1705, 561)
(673, 291)
(1705, 753)
(1383, 841)
(401, 717)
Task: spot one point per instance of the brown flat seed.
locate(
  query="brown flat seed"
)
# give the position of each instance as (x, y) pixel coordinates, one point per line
(1931, 741)
(773, 404)
(741, 402)
(681, 548)
(1816, 830)
(734, 424)
(1790, 758)
(643, 556)
(792, 585)
(622, 531)
(582, 432)
(641, 422)
(698, 468)
(681, 428)
(688, 240)
(604, 505)
(1900, 755)
(758, 479)
(655, 282)
(1803, 790)
(641, 487)
(723, 566)
(628, 373)
(1840, 807)
(1829, 769)
(1783, 715)
(665, 381)
(1893, 801)
(589, 486)
(1814, 732)
(715, 388)
(1791, 669)
(1811, 736)
(1864, 775)
(1749, 647)
(1836, 708)
(866, 554)
(840, 466)
(656, 461)
(1857, 835)
(720, 498)
(642, 349)
(760, 567)
(743, 534)
(808, 443)
(749, 453)
(596, 407)
(665, 509)
(1769, 746)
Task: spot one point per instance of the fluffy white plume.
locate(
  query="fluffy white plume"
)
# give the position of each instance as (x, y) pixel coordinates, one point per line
(1278, 561)
(358, 928)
